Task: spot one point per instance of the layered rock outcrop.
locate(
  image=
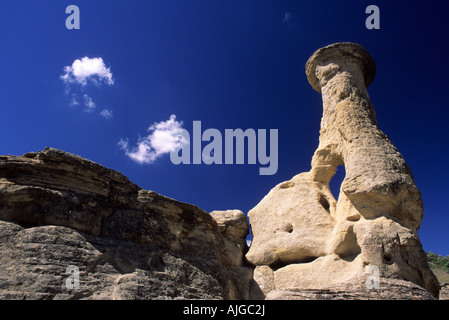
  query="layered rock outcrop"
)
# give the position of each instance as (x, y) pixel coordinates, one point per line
(59, 211)
(304, 238)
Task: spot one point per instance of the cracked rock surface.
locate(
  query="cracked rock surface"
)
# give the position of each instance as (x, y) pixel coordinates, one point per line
(59, 211)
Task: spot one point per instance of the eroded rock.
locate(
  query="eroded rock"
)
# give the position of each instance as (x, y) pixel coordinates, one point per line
(312, 241)
(59, 210)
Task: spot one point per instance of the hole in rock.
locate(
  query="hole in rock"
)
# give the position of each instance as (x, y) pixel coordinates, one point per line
(26, 225)
(288, 228)
(324, 203)
(388, 259)
(336, 181)
(156, 262)
(24, 221)
(349, 257)
(280, 263)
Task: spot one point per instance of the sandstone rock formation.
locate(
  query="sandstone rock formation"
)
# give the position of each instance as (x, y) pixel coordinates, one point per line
(61, 214)
(304, 238)
(59, 210)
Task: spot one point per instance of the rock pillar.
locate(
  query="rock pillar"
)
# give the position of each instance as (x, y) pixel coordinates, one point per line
(309, 239)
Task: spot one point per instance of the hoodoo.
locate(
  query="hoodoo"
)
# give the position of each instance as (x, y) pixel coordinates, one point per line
(304, 238)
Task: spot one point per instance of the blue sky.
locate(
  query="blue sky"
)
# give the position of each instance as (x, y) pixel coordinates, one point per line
(229, 64)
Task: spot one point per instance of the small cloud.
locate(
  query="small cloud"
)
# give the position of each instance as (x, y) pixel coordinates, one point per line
(106, 113)
(86, 69)
(74, 102)
(123, 144)
(89, 103)
(164, 138)
(81, 73)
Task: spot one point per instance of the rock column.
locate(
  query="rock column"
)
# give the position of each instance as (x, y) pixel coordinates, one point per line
(378, 181)
(306, 239)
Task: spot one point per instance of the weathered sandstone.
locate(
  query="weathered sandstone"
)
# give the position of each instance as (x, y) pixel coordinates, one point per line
(59, 210)
(312, 241)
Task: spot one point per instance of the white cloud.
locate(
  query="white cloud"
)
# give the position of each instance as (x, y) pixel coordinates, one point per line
(89, 103)
(74, 101)
(106, 113)
(86, 69)
(83, 72)
(164, 137)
